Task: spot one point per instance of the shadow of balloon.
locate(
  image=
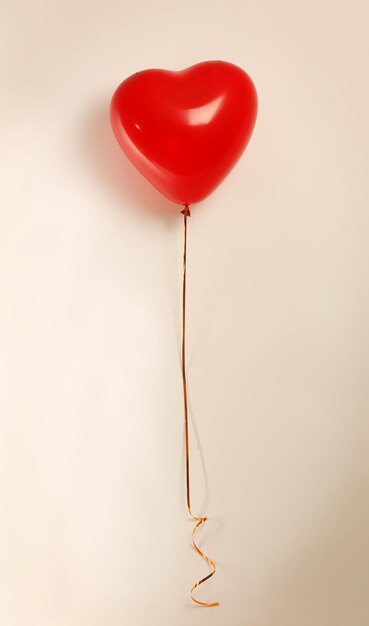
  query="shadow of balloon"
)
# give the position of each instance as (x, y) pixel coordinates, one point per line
(117, 173)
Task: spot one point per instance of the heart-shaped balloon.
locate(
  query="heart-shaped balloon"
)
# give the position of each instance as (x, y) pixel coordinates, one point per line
(184, 131)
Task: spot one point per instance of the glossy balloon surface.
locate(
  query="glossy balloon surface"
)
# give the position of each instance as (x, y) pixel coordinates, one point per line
(185, 130)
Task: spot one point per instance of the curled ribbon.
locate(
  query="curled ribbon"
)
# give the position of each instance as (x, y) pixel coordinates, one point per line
(199, 520)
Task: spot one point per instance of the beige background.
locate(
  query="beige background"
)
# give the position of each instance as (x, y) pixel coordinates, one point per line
(93, 529)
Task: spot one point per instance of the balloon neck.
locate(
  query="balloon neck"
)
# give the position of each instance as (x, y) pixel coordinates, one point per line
(186, 211)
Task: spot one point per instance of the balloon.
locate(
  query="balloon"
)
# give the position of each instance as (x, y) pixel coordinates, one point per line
(185, 130)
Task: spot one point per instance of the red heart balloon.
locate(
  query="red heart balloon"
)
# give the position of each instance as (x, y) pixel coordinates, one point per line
(184, 131)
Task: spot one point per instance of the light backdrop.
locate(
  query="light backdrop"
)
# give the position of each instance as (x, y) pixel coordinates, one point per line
(93, 528)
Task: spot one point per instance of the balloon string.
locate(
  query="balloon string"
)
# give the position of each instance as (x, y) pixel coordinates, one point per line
(199, 520)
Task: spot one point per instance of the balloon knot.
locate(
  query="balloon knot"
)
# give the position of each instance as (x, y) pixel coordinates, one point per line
(186, 211)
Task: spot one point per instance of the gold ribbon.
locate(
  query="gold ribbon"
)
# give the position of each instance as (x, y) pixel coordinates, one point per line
(199, 520)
